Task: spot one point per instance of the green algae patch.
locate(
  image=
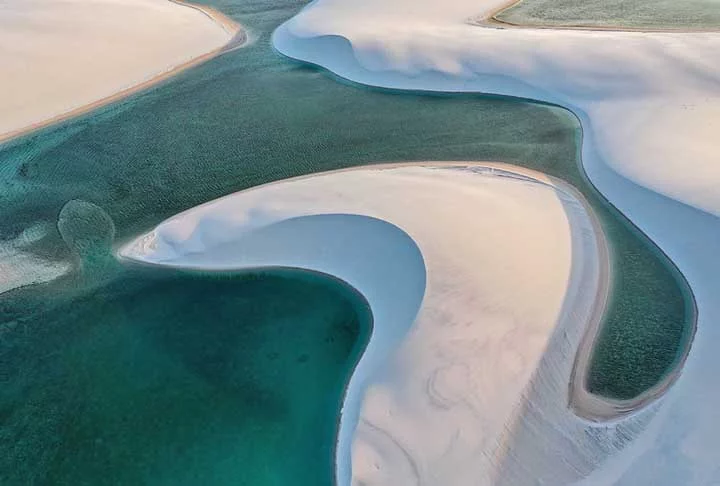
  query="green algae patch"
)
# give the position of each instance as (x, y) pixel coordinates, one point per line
(633, 14)
(647, 329)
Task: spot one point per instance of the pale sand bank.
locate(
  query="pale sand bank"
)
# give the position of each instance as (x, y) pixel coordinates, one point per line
(470, 270)
(61, 58)
(656, 90)
(19, 267)
(649, 105)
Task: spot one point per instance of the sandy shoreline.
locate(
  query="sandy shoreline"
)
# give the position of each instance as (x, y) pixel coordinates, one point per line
(597, 408)
(238, 38)
(589, 406)
(648, 104)
(584, 403)
(456, 315)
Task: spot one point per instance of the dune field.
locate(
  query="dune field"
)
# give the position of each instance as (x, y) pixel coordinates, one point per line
(647, 102)
(488, 283)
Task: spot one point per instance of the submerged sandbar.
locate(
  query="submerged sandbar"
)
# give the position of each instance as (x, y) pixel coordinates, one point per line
(65, 58)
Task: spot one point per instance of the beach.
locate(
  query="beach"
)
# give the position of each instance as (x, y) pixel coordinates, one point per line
(460, 318)
(70, 57)
(647, 102)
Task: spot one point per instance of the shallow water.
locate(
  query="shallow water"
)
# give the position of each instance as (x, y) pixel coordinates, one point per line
(124, 350)
(654, 14)
(167, 377)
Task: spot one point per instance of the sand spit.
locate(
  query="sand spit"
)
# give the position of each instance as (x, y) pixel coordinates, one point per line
(649, 105)
(466, 293)
(69, 57)
(18, 265)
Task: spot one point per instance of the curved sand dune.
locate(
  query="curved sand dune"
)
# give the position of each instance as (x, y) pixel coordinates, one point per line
(471, 270)
(656, 90)
(62, 58)
(649, 105)
(19, 267)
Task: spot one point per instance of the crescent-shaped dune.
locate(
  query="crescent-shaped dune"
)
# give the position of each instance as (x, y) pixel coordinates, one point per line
(649, 107)
(485, 281)
(63, 58)
(472, 272)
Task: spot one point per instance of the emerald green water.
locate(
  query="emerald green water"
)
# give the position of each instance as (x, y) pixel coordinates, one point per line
(654, 14)
(119, 375)
(176, 378)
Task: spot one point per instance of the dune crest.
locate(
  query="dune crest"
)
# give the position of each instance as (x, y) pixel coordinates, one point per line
(471, 271)
(63, 58)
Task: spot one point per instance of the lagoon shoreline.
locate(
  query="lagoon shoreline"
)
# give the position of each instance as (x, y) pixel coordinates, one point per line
(237, 37)
(177, 243)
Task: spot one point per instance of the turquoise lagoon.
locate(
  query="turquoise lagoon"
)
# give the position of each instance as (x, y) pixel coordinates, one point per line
(120, 374)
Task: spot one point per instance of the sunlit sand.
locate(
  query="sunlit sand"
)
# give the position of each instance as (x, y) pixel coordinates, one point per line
(471, 271)
(64, 57)
(648, 102)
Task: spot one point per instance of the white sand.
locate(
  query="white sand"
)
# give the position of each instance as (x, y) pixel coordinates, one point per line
(470, 270)
(60, 55)
(658, 90)
(649, 104)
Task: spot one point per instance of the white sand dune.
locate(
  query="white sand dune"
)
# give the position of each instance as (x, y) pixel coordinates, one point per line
(471, 270)
(649, 104)
(60, 56)
(650, 99)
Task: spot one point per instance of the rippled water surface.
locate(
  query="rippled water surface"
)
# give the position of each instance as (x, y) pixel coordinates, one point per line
(125, 375)
(654, 14)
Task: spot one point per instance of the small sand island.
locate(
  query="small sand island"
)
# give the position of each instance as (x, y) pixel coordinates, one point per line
(64, 58)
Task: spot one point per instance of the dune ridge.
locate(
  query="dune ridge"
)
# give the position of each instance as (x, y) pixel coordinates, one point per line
(462, 314)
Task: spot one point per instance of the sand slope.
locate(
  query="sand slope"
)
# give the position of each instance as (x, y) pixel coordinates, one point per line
(470, 270)
(649, 104)
(60, 55)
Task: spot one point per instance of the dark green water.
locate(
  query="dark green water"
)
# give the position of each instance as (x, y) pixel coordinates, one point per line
(125, 350)
(176, 378)
(653, 14)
